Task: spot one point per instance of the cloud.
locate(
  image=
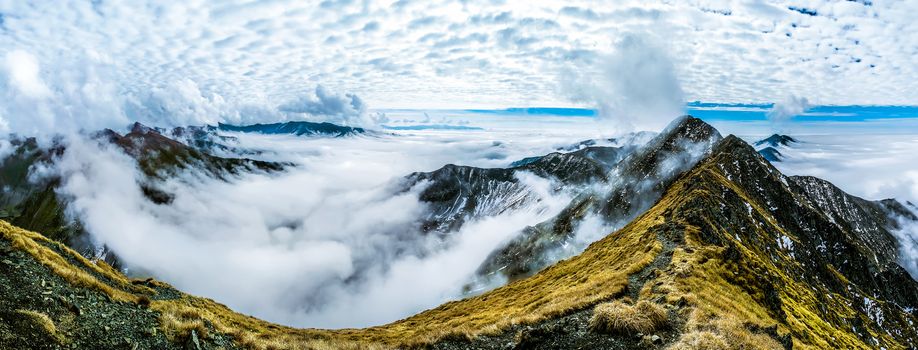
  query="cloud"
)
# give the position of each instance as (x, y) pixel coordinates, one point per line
(39, 101)
(85, 94)
(872, 165)
(634, 87)
(345, 109)
(22, 72)
(584, 13)
(786, 109)
(179, 103)
(907, 234)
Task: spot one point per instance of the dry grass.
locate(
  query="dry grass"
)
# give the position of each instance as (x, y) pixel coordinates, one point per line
(43, 322)
(708, 329)
(38, 246)
(701, 340)
(178, 326)
(622, 318)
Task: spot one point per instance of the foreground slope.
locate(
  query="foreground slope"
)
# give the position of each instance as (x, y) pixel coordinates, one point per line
(734, 254)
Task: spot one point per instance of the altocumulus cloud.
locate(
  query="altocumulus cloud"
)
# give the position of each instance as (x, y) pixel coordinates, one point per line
(85, 94)
(278, 51)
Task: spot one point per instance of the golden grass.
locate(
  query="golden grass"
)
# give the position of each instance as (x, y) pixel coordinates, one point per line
(38, 246)
(180, 324)
(31, 243)
(43, 322)
(732, 330)
(701, 340)
(622, 318)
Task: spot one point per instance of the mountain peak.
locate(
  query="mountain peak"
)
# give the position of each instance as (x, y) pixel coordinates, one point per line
(687, 136)
(731, 142)
(691, 128)
(736, 148)
(771, 154)
(683, 133)
(298, 128)
(776, 140)
(138, 128)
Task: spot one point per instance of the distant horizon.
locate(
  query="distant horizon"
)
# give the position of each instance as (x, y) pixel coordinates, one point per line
(708, 110)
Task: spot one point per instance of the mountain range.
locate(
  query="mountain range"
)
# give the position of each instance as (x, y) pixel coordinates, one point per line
(708, 246)
(769, 146)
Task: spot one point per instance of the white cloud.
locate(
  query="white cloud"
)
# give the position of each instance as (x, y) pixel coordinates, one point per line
(786, 109)
(907, 235)
(346, 109)
(73, 95)
(22, 71)
(635, 88)
(85, 93)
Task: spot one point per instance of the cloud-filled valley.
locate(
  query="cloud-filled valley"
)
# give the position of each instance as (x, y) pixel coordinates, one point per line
(332, 233)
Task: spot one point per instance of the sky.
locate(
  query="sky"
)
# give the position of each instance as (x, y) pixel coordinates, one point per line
(208, 60)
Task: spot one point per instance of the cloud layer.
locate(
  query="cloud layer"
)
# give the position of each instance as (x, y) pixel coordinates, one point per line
(332, 242)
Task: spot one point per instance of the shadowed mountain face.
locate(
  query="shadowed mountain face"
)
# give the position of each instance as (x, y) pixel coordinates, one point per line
(776, 140)
(296, 128)
(771, 154)
(731, 254)
(813, 236)
(614, 184)
(161, 156)
(768, 147)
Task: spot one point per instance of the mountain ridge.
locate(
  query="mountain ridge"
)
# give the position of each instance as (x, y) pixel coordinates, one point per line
(298, 128)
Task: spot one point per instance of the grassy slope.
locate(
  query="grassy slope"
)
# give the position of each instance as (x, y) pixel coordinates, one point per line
(745, 279)
(714, 294)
